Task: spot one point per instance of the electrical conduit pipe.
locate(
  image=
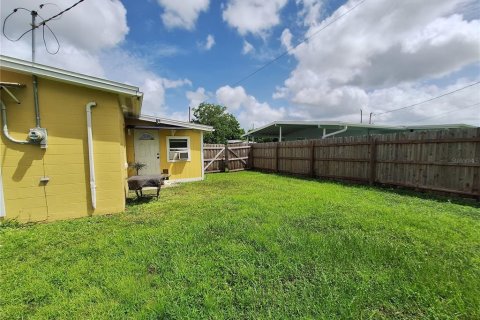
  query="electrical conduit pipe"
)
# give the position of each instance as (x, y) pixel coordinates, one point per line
(93, 187)
(5, 126)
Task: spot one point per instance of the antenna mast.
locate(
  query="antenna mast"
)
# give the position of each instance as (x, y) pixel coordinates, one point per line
(34, 16)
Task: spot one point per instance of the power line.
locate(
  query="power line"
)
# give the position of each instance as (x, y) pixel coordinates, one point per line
(57, 15)
(294, 47)
(42, 24)
(428, 100)
(51, 4)
(448, 112)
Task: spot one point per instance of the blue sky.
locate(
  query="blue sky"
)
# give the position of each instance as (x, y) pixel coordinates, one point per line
(223, 64)
(382, 55)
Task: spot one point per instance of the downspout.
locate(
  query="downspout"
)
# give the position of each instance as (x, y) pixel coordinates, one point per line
(93, 187)
(333, 133)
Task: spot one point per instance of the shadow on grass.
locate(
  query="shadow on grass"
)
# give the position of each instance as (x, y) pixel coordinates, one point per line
(404, 191)
(9, 223)
(141, 200)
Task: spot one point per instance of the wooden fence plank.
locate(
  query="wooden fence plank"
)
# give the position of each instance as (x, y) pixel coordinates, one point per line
(373, 160)
(217, 158)
(227, 152)
(312, 159)
(443, 160)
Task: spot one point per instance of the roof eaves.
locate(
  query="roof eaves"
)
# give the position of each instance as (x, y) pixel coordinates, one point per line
(44, 71)
(320, 124)
(176, 123)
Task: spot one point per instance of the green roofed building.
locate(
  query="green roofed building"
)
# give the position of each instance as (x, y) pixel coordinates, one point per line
(303, 130)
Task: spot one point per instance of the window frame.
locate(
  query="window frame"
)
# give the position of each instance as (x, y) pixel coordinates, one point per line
(187, 149)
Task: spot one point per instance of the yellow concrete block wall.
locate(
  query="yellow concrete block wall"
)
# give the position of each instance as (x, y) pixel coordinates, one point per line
(65, 161)
(178, 170)
(183, 169)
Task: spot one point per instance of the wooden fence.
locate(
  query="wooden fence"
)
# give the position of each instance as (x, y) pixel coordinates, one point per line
(215, 159)
(445, 161)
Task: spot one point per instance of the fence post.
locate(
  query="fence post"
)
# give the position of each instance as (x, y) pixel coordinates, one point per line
(312, 159)
(250, 156)
(277, 146)
(373, 160)
(226, 166)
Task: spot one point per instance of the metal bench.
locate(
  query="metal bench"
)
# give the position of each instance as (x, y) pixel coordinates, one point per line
(137, 183)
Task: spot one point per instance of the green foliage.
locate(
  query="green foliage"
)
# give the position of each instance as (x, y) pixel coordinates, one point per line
(9, 223)
(250, 246)
(137, 166)
(225, 124)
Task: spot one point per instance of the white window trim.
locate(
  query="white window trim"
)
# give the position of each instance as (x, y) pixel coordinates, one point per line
(188, 147)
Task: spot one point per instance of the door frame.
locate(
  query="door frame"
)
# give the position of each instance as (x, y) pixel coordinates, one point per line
(154, 132)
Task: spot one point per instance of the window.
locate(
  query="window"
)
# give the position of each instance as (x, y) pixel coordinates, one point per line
(178, 149)
(146, 136)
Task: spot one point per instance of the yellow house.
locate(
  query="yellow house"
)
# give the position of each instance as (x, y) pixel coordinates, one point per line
(67, 139)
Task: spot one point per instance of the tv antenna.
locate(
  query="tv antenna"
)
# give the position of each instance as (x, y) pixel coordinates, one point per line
(33, 26)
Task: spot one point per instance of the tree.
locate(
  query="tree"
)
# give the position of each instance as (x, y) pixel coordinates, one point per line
(226, 125)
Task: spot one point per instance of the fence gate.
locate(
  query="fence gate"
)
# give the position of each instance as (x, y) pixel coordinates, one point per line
(220, 157)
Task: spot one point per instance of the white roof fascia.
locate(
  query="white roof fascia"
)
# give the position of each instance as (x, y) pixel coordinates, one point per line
(173, 122)
(321, 124)
(301, 122)
(261, 128)
(44, 71)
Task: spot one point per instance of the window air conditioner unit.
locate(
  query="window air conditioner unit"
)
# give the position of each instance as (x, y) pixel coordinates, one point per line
(178, 155)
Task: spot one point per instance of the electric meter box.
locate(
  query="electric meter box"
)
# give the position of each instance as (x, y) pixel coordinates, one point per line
(38, 135)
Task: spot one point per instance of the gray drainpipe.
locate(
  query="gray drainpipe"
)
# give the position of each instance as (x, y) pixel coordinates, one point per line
(35, 101)
(4, 121)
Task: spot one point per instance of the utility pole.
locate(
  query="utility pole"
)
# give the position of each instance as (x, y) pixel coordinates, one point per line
(361, 116)
(370, 120)
(189, 114)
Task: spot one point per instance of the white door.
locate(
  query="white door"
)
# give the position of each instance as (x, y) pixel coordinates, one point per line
(147, 151)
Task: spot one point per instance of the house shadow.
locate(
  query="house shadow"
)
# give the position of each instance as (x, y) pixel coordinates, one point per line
(437, 196)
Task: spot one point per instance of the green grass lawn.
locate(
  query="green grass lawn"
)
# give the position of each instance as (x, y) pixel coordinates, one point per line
(250, 245)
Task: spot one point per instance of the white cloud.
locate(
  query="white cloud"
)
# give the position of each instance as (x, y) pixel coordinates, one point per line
(378, 47)
(463, 104)
(253, 16)
(118, 63)
(170, 84)
(196, 97)
(232, 98)
(247, 108)
(286, 39)
(80, 39)
(90, 48)
(182, 14)
(310, 12)
(247, 47)
(208, 44)
(179, 115)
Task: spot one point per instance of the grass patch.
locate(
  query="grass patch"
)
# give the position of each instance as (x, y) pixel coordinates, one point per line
(250, 245)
